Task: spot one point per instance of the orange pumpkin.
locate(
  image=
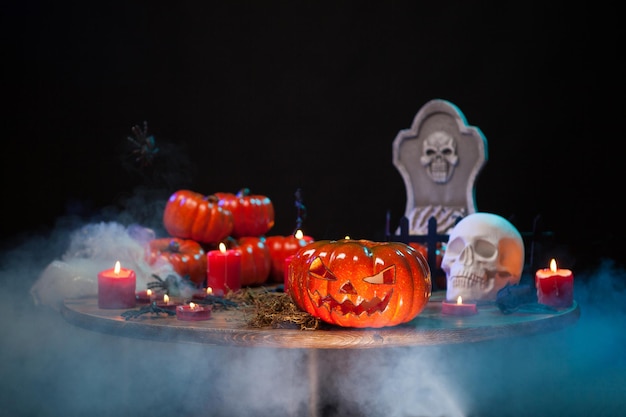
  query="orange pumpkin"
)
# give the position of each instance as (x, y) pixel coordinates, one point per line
(438, 276)
(255, 259)
(360, 283)
(253, 214)
(187, 257)
(423, 249)
(281, 247)
(191, 215)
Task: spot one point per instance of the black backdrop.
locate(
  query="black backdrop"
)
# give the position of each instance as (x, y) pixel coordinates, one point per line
(279, 96)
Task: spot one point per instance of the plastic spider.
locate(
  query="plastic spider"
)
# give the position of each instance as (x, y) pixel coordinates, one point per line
(145, 146)
(160, 284)
(152, 308)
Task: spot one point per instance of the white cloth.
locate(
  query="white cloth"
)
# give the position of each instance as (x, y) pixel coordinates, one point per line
(94, 248)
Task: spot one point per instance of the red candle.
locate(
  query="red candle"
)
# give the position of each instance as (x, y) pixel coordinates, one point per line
(201, 295)
(459, 308)
(555, 286)
(224, 270)
(193, 312)
(116, 287)
(166, 303)
(287, 262)
(145, 296)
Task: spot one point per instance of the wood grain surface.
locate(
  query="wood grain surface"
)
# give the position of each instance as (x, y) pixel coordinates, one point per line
(231, 328)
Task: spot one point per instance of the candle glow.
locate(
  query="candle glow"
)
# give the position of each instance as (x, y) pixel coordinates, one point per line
(224, 270)
(458, 308)
(201, 295)
(116, 287)
(193, 312)
(553, 265)
(144, 296)
(555, 286)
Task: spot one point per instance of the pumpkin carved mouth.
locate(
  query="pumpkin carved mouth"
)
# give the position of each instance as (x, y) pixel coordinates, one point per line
(348, 307)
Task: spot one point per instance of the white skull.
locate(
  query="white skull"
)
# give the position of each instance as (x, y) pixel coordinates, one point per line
(485, 253)
(439, 156)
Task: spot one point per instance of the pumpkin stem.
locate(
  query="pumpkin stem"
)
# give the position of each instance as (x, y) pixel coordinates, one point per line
(212, 198)
(173, 246)
(243, 192)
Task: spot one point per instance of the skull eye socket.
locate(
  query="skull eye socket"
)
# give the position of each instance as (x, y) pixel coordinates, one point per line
(318, 270)
(484, 248)
(386, 276)
(456, 246)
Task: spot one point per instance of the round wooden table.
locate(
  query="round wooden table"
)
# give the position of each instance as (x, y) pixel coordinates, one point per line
(231, 328)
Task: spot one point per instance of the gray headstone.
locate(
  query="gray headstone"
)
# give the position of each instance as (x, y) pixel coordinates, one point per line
(439, 159)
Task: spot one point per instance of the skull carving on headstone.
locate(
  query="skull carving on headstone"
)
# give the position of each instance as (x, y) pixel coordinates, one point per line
(439, 156)
(484, 254)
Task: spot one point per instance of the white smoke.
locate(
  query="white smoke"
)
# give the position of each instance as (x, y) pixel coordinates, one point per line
(52, 368)
(94, 248)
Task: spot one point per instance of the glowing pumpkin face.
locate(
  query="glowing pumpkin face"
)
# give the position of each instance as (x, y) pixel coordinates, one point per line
(360, 283)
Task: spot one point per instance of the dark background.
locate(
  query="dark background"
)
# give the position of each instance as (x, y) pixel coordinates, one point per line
(277, 96)
(280, 96)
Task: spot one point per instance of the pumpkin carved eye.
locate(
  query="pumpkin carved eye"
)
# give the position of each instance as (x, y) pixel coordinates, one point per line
(386, 276)
(318, 270)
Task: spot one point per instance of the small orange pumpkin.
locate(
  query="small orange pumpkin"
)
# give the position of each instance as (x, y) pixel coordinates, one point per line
(438, 276)
(187, 257)
(281, 247)
(360, 283)
(255, 259)
(191, 215)
(253, 214)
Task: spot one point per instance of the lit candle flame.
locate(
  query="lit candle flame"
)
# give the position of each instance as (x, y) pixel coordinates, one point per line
(459, 300)
(299, 234)
(148, 292)
(553, 265)
(166, 299)
(347, 237)
(192, 306)
(209, 291)
(222, 247)
(117, 268)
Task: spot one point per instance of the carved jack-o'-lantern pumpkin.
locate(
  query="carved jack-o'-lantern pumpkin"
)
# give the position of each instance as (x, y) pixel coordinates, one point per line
(360, 283)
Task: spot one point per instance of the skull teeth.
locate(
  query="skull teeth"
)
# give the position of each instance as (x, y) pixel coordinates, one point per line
(468, 281)
(439, 171)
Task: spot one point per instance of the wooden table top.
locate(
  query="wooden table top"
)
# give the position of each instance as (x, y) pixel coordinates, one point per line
(231, 328)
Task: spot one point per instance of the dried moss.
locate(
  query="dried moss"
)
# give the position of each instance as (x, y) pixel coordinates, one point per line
(275, 310)
(263, 308)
